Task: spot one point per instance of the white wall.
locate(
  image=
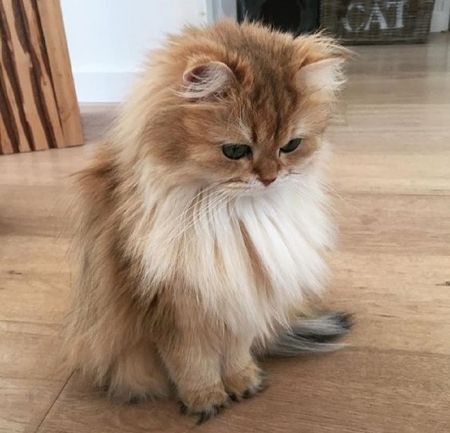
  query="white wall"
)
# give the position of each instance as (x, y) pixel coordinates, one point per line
(108, 38)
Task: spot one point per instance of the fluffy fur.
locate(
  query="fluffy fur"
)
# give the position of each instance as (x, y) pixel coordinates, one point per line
(188, 264)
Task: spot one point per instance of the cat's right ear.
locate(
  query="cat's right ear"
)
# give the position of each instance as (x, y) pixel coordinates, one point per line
(206, 81)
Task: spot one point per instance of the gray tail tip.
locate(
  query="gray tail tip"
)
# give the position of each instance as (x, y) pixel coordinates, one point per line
(313, 335)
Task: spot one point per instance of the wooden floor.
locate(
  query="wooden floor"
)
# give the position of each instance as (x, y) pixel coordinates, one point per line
(392, 179)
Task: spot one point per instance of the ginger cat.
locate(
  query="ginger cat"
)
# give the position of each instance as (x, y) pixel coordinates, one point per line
(203, 219)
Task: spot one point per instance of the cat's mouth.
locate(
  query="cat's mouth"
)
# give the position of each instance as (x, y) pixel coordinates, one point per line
(242, 188)
(256, 184)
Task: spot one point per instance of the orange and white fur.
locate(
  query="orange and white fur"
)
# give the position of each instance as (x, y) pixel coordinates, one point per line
(203, 220)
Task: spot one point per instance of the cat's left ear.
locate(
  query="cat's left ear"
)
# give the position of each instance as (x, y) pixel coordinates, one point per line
(206, 80)
(323, 75)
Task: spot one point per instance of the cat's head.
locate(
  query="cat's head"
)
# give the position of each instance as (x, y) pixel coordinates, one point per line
(237, 105)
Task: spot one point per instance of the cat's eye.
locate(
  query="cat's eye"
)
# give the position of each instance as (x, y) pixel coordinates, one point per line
(291, 146)
(236, 151)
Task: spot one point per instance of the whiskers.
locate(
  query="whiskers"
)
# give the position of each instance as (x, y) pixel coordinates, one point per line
(299, 182)
(187, 214)
(197, 214)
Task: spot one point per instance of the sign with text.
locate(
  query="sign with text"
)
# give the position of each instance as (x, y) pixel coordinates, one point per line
(362, 21)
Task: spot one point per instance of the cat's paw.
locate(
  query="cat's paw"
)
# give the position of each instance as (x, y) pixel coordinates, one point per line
(204, 403)
(247, 383)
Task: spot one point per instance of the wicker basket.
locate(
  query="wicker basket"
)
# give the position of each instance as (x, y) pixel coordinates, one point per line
(377, 21)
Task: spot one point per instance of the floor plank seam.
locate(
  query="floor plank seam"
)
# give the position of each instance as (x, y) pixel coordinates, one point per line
(53, 403)
(28, 322)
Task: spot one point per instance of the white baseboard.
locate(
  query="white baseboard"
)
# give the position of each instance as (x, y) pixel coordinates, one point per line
(102, 87)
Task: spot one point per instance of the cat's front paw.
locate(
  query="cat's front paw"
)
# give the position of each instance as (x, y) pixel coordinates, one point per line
(205, 403)
(246, 383)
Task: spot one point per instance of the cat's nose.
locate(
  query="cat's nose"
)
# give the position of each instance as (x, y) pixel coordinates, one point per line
(267, 182)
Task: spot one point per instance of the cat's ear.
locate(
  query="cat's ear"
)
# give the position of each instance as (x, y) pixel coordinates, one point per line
(325, 75)
(206, 81)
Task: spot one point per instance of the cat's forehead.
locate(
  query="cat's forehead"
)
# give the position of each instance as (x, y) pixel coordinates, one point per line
(267, 93)
(268, 105)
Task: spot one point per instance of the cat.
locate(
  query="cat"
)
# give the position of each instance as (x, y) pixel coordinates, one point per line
(203, 220)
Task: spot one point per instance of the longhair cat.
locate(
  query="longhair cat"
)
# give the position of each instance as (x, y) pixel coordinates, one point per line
(203, 222)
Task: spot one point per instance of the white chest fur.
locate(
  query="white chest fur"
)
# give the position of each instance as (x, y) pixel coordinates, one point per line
(287, 229)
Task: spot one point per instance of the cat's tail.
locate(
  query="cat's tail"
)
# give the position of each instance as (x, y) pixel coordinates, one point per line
(312, 335)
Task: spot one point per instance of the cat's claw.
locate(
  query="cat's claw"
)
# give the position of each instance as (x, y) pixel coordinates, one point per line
(207, 413)
(246, 384)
